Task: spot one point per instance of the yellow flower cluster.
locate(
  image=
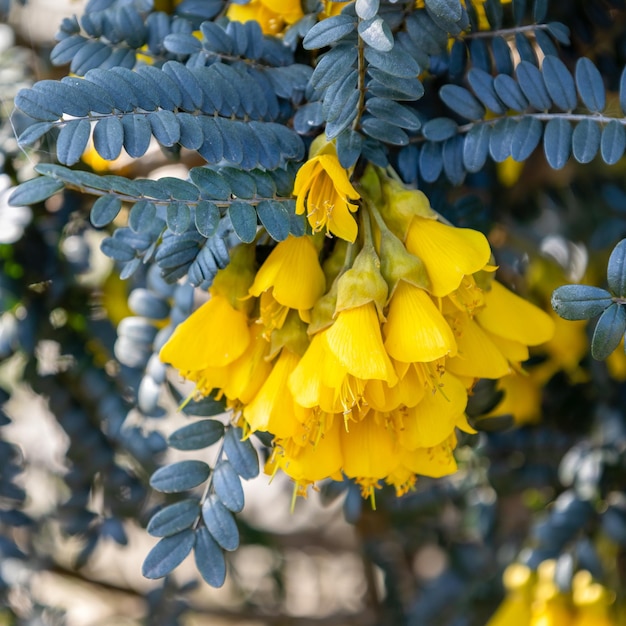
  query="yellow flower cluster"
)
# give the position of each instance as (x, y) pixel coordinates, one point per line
(533, 599)
(357, 353)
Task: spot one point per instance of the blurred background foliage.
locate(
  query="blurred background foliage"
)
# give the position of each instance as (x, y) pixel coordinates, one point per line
(86, 407)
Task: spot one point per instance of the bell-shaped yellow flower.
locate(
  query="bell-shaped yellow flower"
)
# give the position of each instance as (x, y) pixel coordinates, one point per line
(212, 336)
(433, 420)
(369, 449)
(323, 188)
(273, 408)
(507, 315)
(415, 330)
(293, 274)
(355, 340)
(448, 253)
(436, 461)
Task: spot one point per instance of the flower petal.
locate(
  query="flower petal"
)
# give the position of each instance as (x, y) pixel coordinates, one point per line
(415, 330)
(448, 253)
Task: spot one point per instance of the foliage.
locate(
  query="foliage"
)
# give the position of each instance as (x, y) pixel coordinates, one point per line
(490, 108)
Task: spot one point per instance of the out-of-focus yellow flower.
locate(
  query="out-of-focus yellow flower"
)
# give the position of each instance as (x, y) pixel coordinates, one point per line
(271, 15)
(515, 608)
(324, 192)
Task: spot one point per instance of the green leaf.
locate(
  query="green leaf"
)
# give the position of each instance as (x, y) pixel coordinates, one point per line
(241, 454)
(590, 85)
(220, 523)
(376, 33)
(328, 31)
(209, 558)
(212, 186)
(174, 518)
(197, 435)
(228, 487)
(616, 270)
(104, 210)
(243, 219)
(35, 190)
(275, 219)
(557, 142)
(207, 218)
(180, 476)
(608, 332)
(580, 302)
(72, 141)
(178, 217)
(168, 554)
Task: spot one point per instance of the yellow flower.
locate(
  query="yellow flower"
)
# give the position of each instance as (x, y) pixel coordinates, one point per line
(271, 15)
(515, 608)
(273, 408)
(415, 330)
(293, 275)
(448, 253)
(322, 187)
(212, 336)
(511, 317)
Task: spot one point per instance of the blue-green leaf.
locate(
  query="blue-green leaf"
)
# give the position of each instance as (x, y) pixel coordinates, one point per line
(439, 129)
(33, 132)
(585, 140)
(212, 186)
(137, 135)
(445, 10)
(366, 9)
(35, 104)
(181, 43)
(622, 91)
(108, 137)
(168, 554)
(165, 127)
(476, 147)
(452, 155)
(174, 518)
(104, 210)
(209, 558)
(526, 138)
(580, 302)
(616, 270)
(482, 84)
(431, 161)
(72, 141)
(178, 217)
(559, 83)
(384, 131)
(501, 139)
(275, 219)
(197, 435)
(560, 32)
(227, 485)
(462, 102)
(532, 84)
(613, 142)
(241, 454)
(376, 33)
(393, 62)
(180, 476)
(557, 142)
(117, 249)
(590, 85)
(329, 31)
(220, 523)
(207, 218)
(142, 216)
(35, 190)
(243, 218)
(509, 92)
(393, 113)
(608, 332)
